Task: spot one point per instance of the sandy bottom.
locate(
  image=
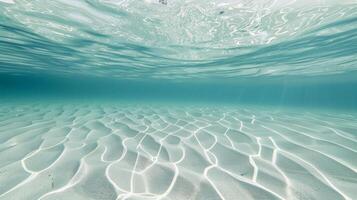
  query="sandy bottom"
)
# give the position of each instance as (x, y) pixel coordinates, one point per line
(82, 152)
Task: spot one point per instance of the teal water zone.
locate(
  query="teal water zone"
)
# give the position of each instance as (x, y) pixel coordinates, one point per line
(178, 99)
(226, 52)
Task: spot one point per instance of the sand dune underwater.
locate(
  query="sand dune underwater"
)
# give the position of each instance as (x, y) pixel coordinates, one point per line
(140, 152)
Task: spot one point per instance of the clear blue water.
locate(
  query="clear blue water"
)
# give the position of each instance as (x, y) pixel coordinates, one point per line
(170, 99)
(257, 52)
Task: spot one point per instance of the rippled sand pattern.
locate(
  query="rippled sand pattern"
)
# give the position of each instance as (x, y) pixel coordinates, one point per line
(135, 152)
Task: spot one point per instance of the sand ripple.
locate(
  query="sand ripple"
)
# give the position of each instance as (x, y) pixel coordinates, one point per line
(141, 152)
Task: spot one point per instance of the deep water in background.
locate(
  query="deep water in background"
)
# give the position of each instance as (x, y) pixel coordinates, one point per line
(249, 52)
(340, 93)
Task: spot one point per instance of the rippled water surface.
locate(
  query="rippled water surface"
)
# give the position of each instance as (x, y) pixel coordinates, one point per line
(178, 99)
(179, 39)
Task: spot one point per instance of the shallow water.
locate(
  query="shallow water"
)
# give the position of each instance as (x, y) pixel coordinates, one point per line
(173, 99)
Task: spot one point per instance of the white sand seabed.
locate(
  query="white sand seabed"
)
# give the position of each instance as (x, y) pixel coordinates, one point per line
(140, 152)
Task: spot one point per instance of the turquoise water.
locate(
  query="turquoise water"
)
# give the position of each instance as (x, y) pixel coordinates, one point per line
(169, 99)
(237, 52)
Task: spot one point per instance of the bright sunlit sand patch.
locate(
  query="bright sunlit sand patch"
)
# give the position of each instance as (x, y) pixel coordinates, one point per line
(141, 152)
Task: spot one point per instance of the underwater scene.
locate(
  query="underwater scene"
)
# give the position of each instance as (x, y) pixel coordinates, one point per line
(178, 99)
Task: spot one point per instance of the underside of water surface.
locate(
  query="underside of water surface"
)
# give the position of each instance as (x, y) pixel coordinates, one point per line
(178, 99)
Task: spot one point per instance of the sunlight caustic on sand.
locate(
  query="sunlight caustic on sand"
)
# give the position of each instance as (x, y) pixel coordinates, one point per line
(149, 152)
